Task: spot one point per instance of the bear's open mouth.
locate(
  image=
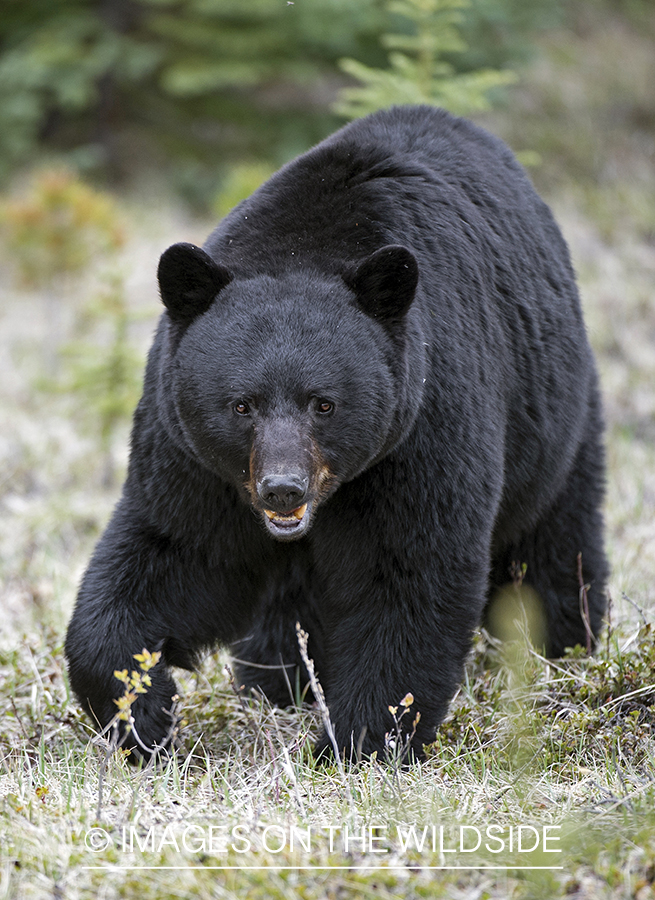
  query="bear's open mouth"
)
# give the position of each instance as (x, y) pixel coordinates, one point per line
(288, 526)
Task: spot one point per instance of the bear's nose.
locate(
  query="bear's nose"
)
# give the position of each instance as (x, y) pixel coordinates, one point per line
(283, 493)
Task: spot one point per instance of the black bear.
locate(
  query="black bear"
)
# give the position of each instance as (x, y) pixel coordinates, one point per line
(369, 396)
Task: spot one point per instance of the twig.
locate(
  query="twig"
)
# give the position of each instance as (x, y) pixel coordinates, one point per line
(254, 665)
(636, 606)
(317, 689)
(584, 606)
(638, 692)
(276, 776)
(609, 623)
(398, 744)
(19, 720)
(284, 668)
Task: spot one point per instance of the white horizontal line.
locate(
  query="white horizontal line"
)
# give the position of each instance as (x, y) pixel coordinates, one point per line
(409, 868)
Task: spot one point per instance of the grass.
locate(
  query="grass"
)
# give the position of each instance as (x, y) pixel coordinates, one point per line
(566, 745)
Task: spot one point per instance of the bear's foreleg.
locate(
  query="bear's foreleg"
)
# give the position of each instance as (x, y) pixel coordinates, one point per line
(144, 591)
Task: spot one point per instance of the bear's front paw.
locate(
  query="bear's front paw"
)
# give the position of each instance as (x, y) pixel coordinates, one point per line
(151, 731)
(146, 723)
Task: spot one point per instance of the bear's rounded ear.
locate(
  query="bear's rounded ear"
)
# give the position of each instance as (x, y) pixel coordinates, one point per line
(189, 280)
(385, 282)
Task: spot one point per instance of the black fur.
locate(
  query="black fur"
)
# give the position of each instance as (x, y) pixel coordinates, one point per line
(389, 332)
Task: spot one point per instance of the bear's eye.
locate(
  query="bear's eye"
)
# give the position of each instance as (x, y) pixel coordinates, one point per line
(241, 408)
(324, 407)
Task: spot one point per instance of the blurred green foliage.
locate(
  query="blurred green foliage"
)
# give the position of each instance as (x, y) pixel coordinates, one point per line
(53, 233)
(186, 76)
(418, 70)
(100, 371)
(118, 84)
(57, 227)
(239, 183)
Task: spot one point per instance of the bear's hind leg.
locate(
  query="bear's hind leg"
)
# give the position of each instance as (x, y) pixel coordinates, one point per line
(563, 554)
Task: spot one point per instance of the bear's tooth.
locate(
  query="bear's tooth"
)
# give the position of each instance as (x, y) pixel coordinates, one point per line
(300, 512)
(270, 513)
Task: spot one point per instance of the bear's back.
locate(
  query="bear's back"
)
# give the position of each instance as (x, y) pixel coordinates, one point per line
(415, 175)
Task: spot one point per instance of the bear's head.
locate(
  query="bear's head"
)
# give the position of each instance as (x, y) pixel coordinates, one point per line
(287, 386)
